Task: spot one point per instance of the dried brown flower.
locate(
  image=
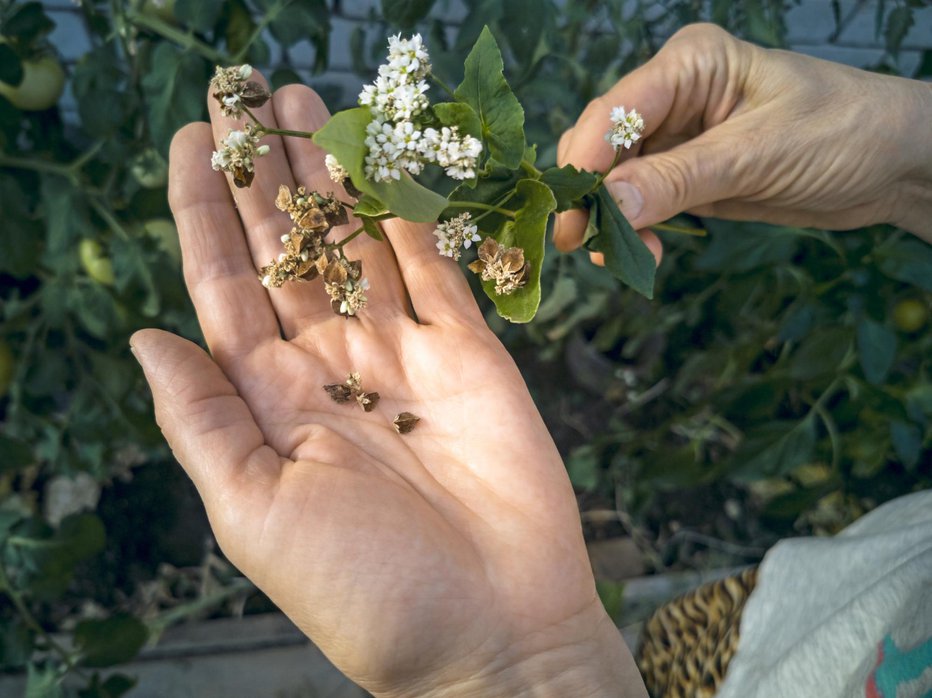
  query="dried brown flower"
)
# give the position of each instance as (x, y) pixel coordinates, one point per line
(505, 266)
(405, 422)
(346, 286)
(350, 389)
(230, 88)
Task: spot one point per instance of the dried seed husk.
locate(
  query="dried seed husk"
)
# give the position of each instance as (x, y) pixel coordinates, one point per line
(351, 188)
(339, 392)
(336, 216)
(368, 401)
(242, 177)
(335, 273)
(283, 200)
(405, 422)
(313, 219)
(254, 95)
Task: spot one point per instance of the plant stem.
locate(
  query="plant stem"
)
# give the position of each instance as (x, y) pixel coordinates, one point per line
(484, 207)
(501, 202)
(615, 161)
(668, 228)
(109, 219)
(30, 620)
(441, 84)
(528, 167)
(340, 245)
(285, 132)
(39, 166)
(185, 39)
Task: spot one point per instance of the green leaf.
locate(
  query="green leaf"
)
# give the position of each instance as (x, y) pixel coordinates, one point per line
(485, 89)
(21, 240)
(582, 466)
(907, 442)
(28, 22)
(99, 82)
(568, 185)
(460, 115)
(561, 296)
(528, 232)
(11, 67)
(406, 13)
(527, 21)
(775, 448)
(294, 21)
(200, 15)
(369, 206)
(14, 454)
(115, 686)
(742, 247)
(876, 350)
(111, 641)
(626, 255)
(43, 682)
(16, 642)
(908, 260)
(343, 136)
(238, 25)
(174, 89)
(821, 353)
(372, 228)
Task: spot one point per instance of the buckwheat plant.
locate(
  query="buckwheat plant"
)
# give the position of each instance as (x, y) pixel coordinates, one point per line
(499, 200)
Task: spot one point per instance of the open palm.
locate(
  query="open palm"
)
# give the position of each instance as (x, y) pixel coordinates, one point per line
(432, 561)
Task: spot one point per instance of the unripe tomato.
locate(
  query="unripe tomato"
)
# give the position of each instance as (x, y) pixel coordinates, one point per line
(6, 367)
(42, 85)
(95, 263)
(910, 315)
(165, 233)
(150, 169)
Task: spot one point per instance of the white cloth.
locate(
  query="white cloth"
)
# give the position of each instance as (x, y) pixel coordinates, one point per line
(843, 617)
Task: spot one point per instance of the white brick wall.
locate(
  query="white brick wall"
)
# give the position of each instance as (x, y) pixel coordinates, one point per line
(811, 31)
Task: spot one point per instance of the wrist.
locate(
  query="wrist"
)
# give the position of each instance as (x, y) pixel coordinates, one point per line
(912, 203)
(585, 656)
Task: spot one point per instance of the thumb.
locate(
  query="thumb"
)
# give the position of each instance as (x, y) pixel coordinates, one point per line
(207, 424)
(653, 188)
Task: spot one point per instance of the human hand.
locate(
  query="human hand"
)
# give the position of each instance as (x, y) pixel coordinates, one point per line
(446, 561)
(740, 132)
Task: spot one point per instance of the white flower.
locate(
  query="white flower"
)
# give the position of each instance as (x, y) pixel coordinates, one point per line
(337, 172)
(237, 155)
(456, 154)
(627, 128)
(228, 86)
(408, 57)
(455, 235)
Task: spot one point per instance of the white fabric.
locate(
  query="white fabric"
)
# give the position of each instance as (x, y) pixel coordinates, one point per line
(823, 606)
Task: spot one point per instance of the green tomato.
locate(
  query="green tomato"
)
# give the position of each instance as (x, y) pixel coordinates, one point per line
(6, 367)
(910, 315)
(42, 85)
(95, 263)
(165, 233)
(150, 169)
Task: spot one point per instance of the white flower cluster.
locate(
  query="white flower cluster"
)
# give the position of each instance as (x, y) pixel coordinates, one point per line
(455, 235)
(395, 139)
(237, 154)
(337, 172)
(627, 128)
(227, 85)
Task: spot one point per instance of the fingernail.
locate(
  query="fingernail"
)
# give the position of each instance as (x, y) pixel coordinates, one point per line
(628, 197)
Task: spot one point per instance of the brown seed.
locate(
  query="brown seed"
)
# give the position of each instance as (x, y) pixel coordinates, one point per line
(242, 177)
(335, 273)
(368, 401)
(254, 95)
(339, 392)
(405, 422)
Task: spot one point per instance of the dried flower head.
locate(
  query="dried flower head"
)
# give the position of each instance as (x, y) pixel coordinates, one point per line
(455, 235)
(346, 286)
(311, 211)
(351, 389)
(230, 88)
(238, 153)
(505, 266)
(627, 128)
(405, 422)
(337, 172)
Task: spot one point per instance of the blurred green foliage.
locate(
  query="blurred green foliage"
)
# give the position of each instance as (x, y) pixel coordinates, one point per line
(785, 369)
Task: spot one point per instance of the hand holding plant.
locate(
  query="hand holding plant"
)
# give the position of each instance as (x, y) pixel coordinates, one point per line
(446, 560)
(472, 148)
